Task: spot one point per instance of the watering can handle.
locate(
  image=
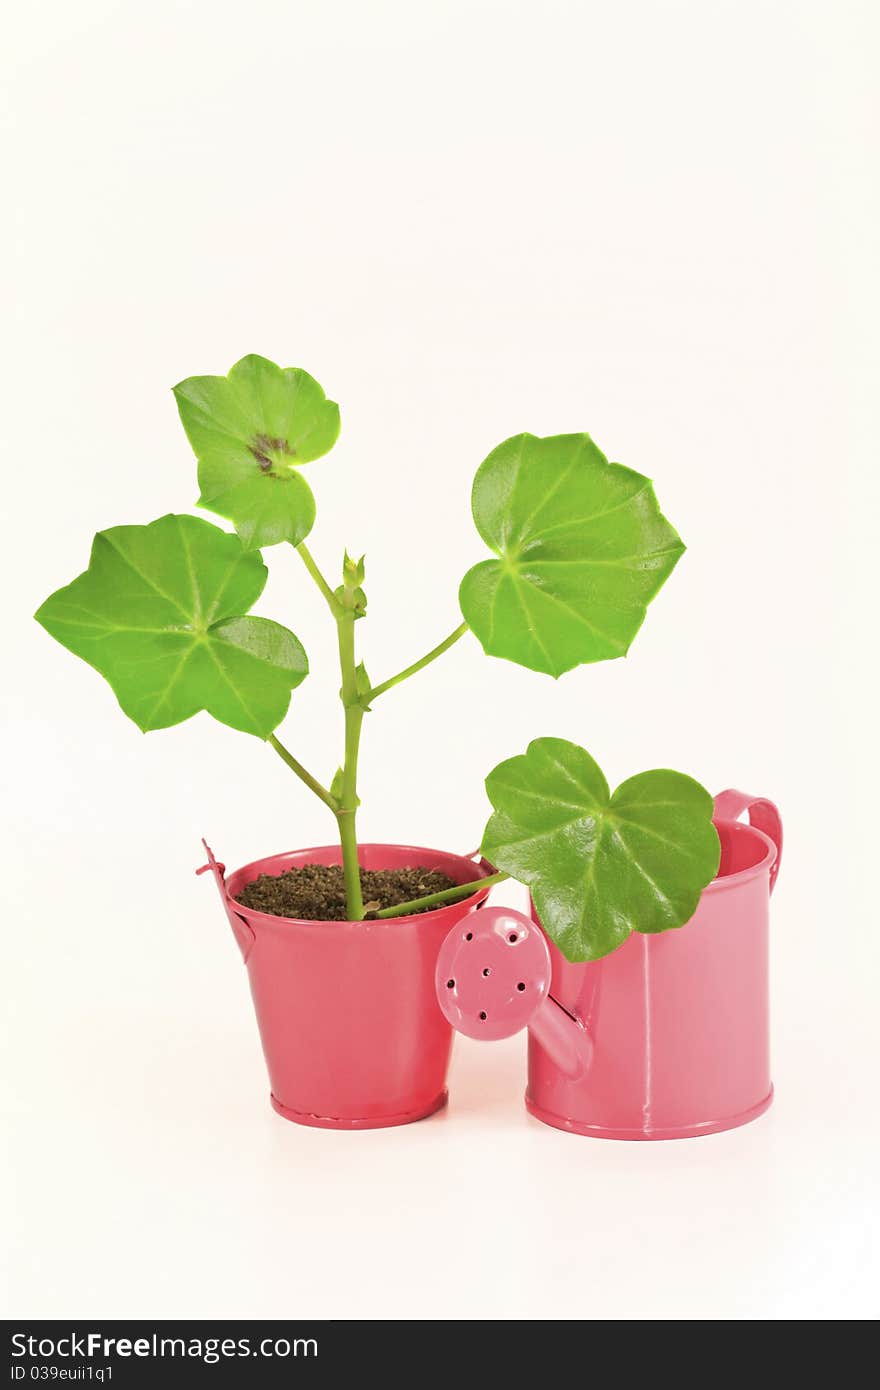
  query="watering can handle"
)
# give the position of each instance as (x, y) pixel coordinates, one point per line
(763, 815)
(241, 930)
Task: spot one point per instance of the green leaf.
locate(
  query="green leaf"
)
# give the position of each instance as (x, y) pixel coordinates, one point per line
(251, 431)
(160, 613)
(337, 784)
(600, 866)
(352, 571)
(582, 549)
(362, 681)
(359, 605)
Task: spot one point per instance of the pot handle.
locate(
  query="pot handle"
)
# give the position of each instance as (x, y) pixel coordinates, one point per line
(763, 815)
(241, 930)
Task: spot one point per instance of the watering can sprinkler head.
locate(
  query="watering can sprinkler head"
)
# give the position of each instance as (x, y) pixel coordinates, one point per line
(493, 978)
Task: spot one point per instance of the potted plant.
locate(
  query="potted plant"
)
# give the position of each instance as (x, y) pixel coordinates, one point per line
(341, 940)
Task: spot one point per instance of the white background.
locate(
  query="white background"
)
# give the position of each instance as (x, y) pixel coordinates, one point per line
(657, 222)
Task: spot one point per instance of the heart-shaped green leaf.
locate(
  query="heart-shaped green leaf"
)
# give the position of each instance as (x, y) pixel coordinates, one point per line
(600, 866)
(250, 432)
(159, 612)
(582, 547)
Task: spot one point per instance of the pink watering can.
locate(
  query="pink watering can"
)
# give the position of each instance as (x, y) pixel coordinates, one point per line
(665, 1038)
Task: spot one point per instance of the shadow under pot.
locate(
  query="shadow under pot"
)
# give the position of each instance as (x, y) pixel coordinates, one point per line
(351, 1030)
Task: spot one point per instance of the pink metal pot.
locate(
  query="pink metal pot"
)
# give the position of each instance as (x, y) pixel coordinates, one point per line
(667, 1037)
(347, 1012)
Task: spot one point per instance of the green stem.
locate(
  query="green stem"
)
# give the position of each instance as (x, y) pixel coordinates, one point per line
(348, 800)
(309, 561)
(448, 895)
(344, 806)
(417, 665)
(311, 782)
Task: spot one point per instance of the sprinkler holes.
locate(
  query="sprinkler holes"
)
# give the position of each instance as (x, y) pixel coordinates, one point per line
(483, 1016)
(520, 986)
(487, 971)
(512, 937)
(450, 984)
(469, 936)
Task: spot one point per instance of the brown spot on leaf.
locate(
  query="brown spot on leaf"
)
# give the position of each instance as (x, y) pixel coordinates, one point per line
(267, 442)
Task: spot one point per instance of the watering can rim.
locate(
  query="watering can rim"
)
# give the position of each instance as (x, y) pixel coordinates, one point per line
(722, 881)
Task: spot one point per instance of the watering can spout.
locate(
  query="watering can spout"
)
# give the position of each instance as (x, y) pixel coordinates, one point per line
(493, 978)
(563, 1037)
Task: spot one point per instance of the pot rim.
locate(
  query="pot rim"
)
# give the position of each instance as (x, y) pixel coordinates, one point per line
(722, 881)
(481, 867)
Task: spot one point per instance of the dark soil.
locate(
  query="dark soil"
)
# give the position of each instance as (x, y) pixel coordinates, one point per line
(316, 892)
